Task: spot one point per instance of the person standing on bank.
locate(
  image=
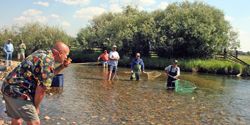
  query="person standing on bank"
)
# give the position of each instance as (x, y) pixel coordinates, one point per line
(21, 51)
(172, 72)
(24, 87)
(105, 58)
(113, 63)
(137, 66)
(8, 49)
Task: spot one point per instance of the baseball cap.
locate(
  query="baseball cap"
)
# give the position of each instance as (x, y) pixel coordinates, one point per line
(175, 61)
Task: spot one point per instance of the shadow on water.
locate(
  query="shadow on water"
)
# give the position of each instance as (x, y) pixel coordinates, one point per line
(87, 98)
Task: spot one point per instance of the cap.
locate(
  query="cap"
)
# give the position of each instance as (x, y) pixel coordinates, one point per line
(175, 61)
(114, 46)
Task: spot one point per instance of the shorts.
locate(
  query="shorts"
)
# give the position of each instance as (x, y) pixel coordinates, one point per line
(104, 62)
(18, 108)
(19, 55)
(112, 68)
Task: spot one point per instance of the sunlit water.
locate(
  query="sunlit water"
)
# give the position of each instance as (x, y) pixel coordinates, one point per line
(87, 98)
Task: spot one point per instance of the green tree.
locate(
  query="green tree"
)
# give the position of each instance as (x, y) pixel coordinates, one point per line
(35, 35)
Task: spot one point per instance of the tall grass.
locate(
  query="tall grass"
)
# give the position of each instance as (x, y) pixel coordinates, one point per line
(211, 66)
(189, 65)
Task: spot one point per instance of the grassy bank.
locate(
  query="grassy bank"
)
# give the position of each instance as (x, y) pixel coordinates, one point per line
(245, 58)
(214, 66)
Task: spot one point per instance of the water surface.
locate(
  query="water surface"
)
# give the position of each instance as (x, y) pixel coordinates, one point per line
(87, 98)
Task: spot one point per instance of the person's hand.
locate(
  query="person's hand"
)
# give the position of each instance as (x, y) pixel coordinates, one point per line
(143, 71)
(67, 62)
(38, 110)
(131, 71)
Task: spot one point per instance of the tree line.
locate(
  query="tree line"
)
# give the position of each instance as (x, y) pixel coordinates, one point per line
(182, 30)
(191, 30)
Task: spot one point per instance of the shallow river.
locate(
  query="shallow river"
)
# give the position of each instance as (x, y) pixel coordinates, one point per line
(87, 98)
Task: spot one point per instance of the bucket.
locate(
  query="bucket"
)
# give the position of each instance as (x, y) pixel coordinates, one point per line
(3, 68)
(58, 80)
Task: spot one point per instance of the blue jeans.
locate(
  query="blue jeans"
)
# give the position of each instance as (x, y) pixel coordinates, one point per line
(8, 58)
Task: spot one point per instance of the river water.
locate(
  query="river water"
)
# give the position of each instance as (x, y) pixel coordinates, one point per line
(87, 98)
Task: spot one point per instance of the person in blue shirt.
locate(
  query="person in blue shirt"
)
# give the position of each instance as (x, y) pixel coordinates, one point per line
(137, 66)
(8, 49)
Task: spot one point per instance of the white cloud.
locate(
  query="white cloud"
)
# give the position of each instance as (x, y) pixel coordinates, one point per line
(28, 19)
(162, 5)
(146, 2)
(66, 24)
(244, 37)
(31, 15)
(45, 4)
(139, 4)
(74, 2)
(115, 8)
(133, 2)
(89, 12)
(54, 16)
(32, 12)
(229, 18)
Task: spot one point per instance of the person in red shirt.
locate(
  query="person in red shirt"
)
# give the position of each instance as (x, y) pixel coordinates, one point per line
(104, 57)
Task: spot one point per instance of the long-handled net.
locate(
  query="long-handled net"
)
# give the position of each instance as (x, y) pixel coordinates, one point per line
(184, 86)
(152, 75)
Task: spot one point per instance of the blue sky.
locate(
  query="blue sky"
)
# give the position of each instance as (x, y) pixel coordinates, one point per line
(71, 15)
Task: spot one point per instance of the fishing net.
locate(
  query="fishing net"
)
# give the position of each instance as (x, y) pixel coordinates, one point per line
(152, 75)
(183, 86)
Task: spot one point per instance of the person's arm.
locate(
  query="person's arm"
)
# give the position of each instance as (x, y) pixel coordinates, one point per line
(4, 48)
(62, 66)
(167, 70)
(39, 95)
(132, 65)
(99, 57)
(24, 46)
(118, 56)
(142, 65)
(44, 81)
(178, 73)
(59, 69)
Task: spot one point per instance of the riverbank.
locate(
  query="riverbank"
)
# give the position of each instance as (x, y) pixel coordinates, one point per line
(212, 66)
(8, 69)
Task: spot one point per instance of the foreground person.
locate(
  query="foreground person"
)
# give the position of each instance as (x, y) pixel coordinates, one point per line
(24, 88)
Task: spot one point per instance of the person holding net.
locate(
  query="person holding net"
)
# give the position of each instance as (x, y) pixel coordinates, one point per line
(172, 72)
(137, 66)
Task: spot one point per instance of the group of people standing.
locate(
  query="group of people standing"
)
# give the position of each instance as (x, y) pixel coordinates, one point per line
(110, 60)
(9, 49)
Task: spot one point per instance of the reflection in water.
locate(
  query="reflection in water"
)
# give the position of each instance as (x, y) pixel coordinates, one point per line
(88, 98)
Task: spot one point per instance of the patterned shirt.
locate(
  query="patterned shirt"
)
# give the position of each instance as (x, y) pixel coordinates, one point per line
(36, 69)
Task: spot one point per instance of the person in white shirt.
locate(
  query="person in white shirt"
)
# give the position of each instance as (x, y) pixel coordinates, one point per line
(8, 49)
(172, 72)
(113, 62)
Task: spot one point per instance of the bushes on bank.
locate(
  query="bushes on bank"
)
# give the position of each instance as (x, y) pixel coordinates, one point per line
(188, 65)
